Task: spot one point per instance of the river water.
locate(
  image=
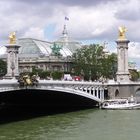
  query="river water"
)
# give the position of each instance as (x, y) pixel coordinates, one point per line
(90, 124)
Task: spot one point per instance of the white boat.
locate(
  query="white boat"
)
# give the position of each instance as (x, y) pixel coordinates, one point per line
(120, 104)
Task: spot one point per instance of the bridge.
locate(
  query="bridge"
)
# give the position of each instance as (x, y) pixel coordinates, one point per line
(72, 92)
(92, 93)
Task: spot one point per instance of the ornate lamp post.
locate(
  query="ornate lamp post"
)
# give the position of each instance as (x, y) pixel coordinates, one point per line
(72, 71)
(90, 75)
(82, 74)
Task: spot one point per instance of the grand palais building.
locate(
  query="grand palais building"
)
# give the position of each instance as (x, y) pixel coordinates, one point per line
(50, 56)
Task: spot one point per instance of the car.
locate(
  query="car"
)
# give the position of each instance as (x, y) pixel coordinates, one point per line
(77, 78)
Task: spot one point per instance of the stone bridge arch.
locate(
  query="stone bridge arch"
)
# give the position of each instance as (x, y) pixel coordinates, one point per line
(137, 94)
(82, 91)
(50, 97)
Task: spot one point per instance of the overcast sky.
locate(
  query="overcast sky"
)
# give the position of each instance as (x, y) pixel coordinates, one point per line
(89, 20)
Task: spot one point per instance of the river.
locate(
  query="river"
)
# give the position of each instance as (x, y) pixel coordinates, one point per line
(89, 124)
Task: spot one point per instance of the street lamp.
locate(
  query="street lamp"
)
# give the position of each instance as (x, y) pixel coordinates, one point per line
(72, 71)
(114, 69)
(82, 74)
(90, 75)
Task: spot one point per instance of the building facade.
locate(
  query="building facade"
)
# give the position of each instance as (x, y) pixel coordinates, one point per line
(45, 55)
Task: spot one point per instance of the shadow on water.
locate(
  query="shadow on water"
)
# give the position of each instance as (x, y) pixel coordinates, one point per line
(10, 113)
(23, 105)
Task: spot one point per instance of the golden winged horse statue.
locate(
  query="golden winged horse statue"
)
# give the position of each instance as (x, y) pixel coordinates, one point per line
(12, 38)
(122, 31)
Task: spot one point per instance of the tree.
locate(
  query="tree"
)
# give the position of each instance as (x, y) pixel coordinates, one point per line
(134, 75)
(57, 75)
(44, 74)
(94, 64)
(109, 66)
(3, 67)
(41, 73)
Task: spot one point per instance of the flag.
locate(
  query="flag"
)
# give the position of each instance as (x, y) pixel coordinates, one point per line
(66, 18)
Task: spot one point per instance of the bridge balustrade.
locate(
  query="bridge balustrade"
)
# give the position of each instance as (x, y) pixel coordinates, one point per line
(86, 89)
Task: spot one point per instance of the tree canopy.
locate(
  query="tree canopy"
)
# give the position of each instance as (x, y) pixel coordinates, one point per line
(92, 62)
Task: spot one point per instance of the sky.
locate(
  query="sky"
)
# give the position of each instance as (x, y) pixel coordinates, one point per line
(90, 21)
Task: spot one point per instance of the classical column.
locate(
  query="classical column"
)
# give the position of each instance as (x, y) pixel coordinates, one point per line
(93, 91)
(102, 94)
(122, 50)
(97, 92)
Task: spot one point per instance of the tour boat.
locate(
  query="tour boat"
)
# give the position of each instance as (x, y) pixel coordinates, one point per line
(120, 104)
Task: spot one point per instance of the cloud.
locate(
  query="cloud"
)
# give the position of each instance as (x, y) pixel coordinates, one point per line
(87, 23)
(80, 3)
(88, 20)
(134, 50)
(35, 33)
(129, 10)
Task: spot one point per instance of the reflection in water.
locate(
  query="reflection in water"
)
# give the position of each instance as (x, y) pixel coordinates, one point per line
(80, 125)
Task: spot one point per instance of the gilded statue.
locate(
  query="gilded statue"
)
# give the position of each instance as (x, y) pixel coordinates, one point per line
(12, 38)
(122, 31)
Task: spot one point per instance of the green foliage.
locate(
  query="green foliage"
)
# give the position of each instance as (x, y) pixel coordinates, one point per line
(3, 67)
(36, 71)
(134, 75)
(91, 62)
(42, 74)
(56, 75)
(109, 66)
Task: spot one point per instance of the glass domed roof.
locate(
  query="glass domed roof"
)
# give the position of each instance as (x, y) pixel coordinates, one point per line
(67, 42)
(38, 48)
(34, 47)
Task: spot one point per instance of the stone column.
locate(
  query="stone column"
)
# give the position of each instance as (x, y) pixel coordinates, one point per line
(93, 91)
(102, 94)
(122, 49)
(12, 60)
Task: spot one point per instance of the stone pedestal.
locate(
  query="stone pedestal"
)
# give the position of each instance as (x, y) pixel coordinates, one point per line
(122, 50)
(12, 60)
